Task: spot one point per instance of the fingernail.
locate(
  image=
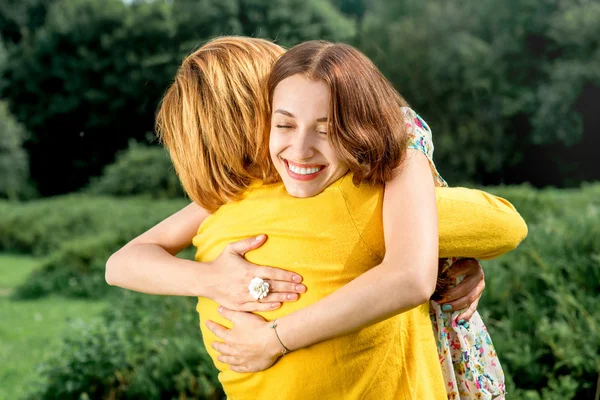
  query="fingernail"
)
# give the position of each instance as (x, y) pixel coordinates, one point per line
(259, 238)
(299, 288)
(461, 322)
(297, 278)
(446, 307)
(275, 305)
(221, 309)
(292, 296)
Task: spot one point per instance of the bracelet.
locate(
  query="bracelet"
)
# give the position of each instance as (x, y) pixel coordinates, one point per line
(285, 350)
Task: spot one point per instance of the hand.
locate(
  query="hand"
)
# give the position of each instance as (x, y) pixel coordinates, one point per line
(468, 292)
(231, 274)
(250, 346)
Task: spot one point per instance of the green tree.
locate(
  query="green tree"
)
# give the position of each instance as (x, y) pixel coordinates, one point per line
(288, 22)
(19, 18)
(14, 168)
(499, 83)
(140, 169)
(88, 81)
(91, 77)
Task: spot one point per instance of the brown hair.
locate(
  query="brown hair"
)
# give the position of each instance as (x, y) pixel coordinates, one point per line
(211, 119)
(366, 125)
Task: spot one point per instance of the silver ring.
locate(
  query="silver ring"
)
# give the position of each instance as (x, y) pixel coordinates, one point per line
(258, 288)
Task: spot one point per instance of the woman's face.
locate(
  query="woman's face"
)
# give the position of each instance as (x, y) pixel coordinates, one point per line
(298, 142)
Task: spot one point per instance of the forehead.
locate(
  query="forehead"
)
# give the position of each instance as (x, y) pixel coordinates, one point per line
(301, 96)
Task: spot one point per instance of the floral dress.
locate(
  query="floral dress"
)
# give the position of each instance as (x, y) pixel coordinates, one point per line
(470, 366)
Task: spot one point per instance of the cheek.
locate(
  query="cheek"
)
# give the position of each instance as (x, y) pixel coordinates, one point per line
(275, 145)
(332, 157)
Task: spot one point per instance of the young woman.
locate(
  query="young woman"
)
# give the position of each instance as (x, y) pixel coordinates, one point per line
(418, 287)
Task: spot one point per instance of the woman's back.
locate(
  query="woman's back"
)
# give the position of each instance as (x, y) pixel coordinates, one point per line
(329, 239)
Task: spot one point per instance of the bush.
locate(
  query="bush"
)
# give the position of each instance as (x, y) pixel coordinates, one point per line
(138, 170)
(41, 227)
(541, 301)
(76, 269)
(75, 235)
(144, 347)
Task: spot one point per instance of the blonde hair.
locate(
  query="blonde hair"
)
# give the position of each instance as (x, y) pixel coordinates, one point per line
(212, 119)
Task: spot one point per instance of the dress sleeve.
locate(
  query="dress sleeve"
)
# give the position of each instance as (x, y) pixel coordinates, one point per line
(420, 138)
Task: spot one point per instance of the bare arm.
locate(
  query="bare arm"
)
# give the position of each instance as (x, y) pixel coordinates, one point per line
(148, 264)
(405, 279)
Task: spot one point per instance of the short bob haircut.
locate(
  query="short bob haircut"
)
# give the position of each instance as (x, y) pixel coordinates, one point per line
(366, 125)
(212, 119)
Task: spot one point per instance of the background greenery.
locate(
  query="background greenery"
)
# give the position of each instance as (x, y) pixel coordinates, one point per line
(510, 89)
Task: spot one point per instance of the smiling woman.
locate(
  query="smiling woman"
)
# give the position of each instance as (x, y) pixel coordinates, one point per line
(299, 146)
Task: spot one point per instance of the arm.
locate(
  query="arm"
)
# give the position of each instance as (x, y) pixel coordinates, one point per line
(148, 264)
(476, 224)
(406, 278)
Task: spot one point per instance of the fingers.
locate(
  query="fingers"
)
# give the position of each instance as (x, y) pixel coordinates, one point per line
(223, 348)
(285, 287)
(468, 266)
(470, 285)
(276, 274)
(227, 313)
(468, 313)
(231, 360)
(241, 247)
(219, 330)
(464, 301)
(280, 298)
(254, 306)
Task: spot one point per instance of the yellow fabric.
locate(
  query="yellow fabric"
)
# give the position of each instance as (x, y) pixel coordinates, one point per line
(477, 224)
(330, 239)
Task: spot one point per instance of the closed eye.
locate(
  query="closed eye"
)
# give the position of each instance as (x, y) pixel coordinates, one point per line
(283, 126)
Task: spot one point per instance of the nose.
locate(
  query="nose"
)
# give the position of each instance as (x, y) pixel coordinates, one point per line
(303, 145)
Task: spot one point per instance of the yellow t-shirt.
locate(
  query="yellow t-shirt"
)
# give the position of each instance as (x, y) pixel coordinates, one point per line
(331, 239)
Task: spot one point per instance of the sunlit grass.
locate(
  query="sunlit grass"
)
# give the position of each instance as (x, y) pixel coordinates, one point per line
(30, 330)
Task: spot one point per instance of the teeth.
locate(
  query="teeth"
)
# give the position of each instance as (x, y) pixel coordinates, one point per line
(303, 171)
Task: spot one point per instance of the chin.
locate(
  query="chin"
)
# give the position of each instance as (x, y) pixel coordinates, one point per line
(301, 193)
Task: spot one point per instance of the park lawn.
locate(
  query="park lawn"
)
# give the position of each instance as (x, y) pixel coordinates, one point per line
(31, 330)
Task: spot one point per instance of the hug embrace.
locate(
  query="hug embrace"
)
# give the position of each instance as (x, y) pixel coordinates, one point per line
(322, 231)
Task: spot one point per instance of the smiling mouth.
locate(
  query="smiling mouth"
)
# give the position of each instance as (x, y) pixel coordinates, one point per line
(303, 172)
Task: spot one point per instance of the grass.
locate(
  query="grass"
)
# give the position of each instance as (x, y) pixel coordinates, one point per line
(30, 330)
(14, 270)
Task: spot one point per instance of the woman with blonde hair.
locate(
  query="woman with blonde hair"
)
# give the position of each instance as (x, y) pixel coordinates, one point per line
(335, 260)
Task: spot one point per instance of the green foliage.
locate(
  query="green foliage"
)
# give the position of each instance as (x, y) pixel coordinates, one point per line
(286, 21)
(144, 347)
(19, 18)
(139, 170)
(76, 234)
(14, 165)
(76, 269)
(43, 226)
(92, 75)
(88, 81)
(494, 81)
(541, 301)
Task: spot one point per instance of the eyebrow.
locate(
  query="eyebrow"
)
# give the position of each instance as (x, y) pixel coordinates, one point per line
(289, 114)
